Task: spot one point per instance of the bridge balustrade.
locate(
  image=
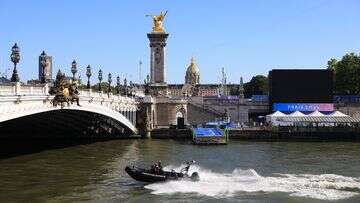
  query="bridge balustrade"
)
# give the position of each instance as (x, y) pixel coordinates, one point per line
(17, 88)
(7, 90)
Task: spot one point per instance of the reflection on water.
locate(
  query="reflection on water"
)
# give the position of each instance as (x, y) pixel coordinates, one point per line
(10, 148)
(250, 171)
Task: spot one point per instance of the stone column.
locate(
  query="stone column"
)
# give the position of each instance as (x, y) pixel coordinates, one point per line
(130, 116)
(46, 89)
(17, 88)
(142, 117)
(157, 57)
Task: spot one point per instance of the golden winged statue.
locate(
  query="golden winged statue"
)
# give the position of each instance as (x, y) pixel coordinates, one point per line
(157, 20)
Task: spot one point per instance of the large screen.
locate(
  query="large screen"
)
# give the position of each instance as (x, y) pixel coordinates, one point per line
(300, 86)
(304, 107)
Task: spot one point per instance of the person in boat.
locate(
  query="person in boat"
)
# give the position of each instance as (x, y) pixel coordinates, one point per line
(156, 168)
(161, 171)
(173, 174)
(153, 168)
(186, 169)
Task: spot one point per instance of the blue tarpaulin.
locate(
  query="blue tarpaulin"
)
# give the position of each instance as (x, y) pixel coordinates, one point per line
(208, 132)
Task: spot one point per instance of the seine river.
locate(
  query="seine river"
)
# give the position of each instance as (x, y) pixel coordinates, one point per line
(238, 172)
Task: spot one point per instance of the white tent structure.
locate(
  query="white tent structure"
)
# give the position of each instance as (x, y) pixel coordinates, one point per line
(276, 114)
(338, 114)
(315, 118)
(316, 114)
(296, 114)
(271, 118)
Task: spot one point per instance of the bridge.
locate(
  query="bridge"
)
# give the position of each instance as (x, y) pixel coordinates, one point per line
(29, 108)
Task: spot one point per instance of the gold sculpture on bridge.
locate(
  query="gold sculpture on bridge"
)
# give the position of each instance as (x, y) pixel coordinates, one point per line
(64, 91)
(157, 20)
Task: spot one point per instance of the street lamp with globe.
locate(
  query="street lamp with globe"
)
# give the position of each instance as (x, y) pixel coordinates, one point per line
(100, 77)
(15, 58)
(88, 75)
(109, 81)
(73, 69)
(118, 84)
(43, 64)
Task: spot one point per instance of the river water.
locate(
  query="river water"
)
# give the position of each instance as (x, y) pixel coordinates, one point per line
(238, 172)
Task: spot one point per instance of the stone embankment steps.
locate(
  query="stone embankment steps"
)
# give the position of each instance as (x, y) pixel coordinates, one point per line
(200, 114)
(206, 108)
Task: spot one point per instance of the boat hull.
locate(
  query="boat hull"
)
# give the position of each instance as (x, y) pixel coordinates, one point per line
(145, 175)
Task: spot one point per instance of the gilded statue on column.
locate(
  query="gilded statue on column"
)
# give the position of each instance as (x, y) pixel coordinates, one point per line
(157, 20)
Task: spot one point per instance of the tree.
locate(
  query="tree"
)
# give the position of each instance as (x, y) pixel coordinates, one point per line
(258, 85)
(346, 74)
(332, 64)
(234, 90)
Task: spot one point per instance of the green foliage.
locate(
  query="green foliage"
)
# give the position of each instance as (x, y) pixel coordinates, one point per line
(331, 64)
(234, 90)
(346, 74)
(258, 85)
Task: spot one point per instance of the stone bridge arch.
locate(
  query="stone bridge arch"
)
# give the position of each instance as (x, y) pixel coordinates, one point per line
(90, 119)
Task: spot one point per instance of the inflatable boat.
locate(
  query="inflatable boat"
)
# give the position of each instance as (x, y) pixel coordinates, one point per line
(151, 176)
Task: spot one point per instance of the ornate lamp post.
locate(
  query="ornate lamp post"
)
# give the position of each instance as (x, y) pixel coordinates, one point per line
(147, 84)
(88, 75)
(43, 66)
(109, 81)
(100, 77)
(73, 69)
(125, 87)
(118, 84)
(15, 58)
(147, 79)
(131, 85)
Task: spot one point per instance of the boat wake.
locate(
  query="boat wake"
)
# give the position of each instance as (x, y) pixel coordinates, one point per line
(325, 186)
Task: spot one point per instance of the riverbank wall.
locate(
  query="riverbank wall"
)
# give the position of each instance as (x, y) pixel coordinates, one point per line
(168, 133)
(266, 134)
(273, 135)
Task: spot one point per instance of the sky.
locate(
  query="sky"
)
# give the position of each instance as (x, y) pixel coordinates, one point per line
(247, 38)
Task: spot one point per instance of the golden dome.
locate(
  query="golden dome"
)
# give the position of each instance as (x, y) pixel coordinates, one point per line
(193, 68)
(192, 73)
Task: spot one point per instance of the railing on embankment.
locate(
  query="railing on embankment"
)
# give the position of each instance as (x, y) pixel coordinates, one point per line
(272, 134)
(297, 133)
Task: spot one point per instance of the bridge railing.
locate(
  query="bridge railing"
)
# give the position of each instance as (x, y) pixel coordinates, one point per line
(89, 94)
(16, 89)
(7, 90)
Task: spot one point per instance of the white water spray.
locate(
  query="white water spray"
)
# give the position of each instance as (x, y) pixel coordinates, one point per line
(325, 186)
